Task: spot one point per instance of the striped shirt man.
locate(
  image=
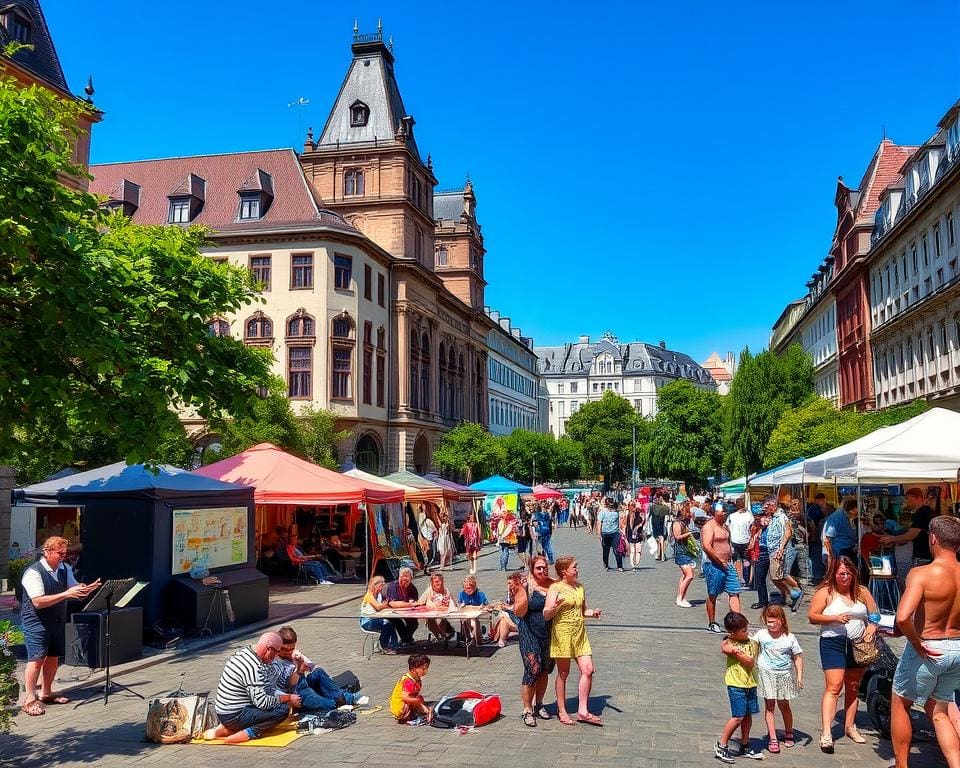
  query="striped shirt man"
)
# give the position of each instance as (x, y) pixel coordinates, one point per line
(243, 683)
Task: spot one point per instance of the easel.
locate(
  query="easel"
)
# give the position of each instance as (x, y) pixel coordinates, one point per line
(111, 593)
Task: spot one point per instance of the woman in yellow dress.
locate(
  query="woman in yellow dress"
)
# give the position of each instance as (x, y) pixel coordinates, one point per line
(567, 606)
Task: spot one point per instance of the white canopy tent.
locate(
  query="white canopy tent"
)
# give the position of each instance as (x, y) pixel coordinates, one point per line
(791, 473)
(927, 447)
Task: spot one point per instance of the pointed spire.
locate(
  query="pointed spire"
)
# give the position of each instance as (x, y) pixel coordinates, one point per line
(89, 90)
(379, 26)
(390, 44)
(308, 145)
(356, 28)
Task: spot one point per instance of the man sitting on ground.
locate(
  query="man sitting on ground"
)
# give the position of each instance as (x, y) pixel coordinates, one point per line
(295, 673)
(245, 709)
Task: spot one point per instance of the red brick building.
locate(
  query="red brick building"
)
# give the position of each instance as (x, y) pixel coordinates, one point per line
(851, 242)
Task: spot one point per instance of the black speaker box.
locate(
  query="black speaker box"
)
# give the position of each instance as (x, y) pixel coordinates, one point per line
(87, 638)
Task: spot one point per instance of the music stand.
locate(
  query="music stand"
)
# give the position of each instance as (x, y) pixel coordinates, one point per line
(110, 593)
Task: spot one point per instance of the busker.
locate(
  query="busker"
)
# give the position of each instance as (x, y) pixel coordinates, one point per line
(929, 670)
(47, 585)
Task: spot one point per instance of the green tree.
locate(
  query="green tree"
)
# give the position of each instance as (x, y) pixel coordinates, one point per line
(10, 635)
(763, 388)
(470, 451)
(604, 428)
(525, 450)
(686, 439)
(104, 320)
(568, 463)
(319, 436)
(816, 426)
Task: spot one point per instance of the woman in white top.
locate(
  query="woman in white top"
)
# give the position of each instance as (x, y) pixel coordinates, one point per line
(840, 607)
(373, 601)
(437, 598)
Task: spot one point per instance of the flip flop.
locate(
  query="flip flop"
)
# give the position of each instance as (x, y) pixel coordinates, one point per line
(590, 719)
(566, 720)
(34, 708)
(55, 699)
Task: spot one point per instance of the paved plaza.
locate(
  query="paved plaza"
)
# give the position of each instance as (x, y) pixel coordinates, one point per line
(659, 687)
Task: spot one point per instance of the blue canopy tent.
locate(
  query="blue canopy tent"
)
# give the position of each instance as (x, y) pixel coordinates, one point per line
(500, 484)
(153, 525)
(501, 495)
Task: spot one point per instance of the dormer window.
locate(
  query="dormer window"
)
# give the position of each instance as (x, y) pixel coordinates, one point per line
(179, 210)
(359, 114)
(256, 194)
(126, 198)
(186, 201)
(18, 26)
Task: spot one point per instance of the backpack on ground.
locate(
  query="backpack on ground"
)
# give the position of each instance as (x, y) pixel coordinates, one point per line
(177, 718)
(466, 709)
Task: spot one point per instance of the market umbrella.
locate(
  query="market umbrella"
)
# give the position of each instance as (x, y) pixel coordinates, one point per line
(541, 492)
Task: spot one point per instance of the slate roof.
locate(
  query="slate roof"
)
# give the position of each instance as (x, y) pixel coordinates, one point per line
(42, 60)
(636, 358)
(448, 206)
(276, 171)
(371, 80)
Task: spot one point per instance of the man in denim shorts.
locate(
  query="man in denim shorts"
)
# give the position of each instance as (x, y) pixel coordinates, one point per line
(718, 569)
(929, 670)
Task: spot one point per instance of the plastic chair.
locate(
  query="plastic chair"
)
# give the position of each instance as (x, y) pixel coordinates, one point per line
(373, 636)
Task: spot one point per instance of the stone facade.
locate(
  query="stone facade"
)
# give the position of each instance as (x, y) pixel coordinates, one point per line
(513, 381)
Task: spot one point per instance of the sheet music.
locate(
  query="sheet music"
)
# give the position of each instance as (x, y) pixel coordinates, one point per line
(135, 590)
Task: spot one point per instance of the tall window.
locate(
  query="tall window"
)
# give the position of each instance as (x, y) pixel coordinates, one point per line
(367, 363)
(353, 181)
(179, 210)
(300, 325)
(381, 290)
(414, 369)
(451, 383)
(381, 377)
(218, 327)
(301, 270)
(342, 267)
(258, 329)
(260, 271)
(937, 245)
(442, 390)
(951, 232)
(442, 256)
(249, 206)
(425, 372)
(300, 372)
(367, 282)
(342, 369)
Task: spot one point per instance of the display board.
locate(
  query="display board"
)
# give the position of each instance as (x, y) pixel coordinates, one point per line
(213, 538)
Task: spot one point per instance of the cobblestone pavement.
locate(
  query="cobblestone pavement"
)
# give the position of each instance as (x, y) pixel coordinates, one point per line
(658, 685)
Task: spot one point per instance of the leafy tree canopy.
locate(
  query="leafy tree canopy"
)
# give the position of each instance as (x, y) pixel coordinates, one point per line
(686, 438)
(604, 428)
(470, 451)
(105, 322)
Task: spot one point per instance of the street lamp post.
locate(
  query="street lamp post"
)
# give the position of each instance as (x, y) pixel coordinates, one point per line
(633, 471)
(534, 470)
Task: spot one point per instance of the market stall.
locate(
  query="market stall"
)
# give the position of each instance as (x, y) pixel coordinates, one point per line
(155, 526)
(501, 494)
(292, 493)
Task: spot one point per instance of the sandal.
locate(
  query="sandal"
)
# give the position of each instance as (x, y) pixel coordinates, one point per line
(590, 719)
(529, 720)
(565, 719)
(788, 739)
(54, 698)
(826, 743)
(855, 736)
(773, 746)
(34, 708)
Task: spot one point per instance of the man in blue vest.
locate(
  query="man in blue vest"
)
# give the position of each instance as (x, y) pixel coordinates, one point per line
(47, 585)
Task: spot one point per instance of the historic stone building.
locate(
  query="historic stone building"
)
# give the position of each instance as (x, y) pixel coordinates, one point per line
(582, 371)
(513, 381)
(914, 280)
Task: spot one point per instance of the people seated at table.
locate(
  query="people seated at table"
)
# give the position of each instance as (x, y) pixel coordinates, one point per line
(437, 598)
(403, 594)
(471, 596)
(505, 624)
(314, 569)
(292, 672)
(373, 601)
(245, 709)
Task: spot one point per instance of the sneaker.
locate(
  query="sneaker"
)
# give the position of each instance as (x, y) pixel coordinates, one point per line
(716, 629)
(417, 721)
(620, 570)
(684, 603)
(750, 753)
(722, 753)
(325, 583)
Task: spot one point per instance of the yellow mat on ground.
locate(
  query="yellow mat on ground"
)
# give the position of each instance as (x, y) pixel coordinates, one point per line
(281, 736)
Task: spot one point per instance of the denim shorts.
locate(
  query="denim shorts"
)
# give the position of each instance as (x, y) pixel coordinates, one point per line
(743, 701)
(837, 653)
(937, 678)
(42, 643)
(683, 558)
(721, 579)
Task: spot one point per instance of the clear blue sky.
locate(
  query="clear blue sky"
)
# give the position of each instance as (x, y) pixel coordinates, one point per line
(661, 170)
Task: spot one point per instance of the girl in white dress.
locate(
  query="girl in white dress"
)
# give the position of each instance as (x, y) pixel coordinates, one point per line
(779, 673)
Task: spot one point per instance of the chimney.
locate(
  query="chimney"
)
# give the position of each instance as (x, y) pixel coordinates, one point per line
(663, 345)
(584, 339)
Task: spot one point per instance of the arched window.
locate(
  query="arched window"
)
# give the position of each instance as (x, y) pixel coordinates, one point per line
(443, 402)
(414, 369)
(301, 325)
(342, 344)
(218, 327)
(353, 181)
(258, 329)
(461, 379)
(425, 372)
(478, 390)
(451, 383)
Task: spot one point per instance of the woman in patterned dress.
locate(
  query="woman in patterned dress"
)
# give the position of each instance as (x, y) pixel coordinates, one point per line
(534, 640)
(471, 542)
(567, 606)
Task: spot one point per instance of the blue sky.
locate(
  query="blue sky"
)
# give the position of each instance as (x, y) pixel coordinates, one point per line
(663, 171)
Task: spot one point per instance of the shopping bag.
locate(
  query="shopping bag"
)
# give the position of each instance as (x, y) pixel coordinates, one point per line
(176, 719)
(652, 546)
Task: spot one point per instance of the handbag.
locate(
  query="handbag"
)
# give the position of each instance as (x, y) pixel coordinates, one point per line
(177, 718)
(865, 652)
(621, 546)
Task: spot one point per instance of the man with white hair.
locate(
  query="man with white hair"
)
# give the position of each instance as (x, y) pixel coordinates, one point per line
(243, 705)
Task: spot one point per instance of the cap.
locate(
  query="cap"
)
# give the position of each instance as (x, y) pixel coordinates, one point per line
(719, 507)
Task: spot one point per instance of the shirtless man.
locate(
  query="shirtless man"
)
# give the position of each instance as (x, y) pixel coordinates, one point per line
(718, 569)
(929, 670)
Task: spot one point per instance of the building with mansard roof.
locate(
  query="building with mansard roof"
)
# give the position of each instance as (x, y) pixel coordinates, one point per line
(582, 371)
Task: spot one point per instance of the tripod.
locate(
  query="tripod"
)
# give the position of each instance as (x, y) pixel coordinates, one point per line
(221, 602)
(107, 594)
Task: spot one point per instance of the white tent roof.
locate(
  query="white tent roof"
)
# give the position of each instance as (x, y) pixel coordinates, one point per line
(927, 447)
(791, 473)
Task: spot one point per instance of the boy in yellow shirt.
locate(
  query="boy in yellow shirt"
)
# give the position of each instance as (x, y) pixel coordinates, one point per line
(406, 702)
(741, 680)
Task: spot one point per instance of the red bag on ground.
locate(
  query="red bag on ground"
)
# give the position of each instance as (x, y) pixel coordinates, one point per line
(468, 709)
